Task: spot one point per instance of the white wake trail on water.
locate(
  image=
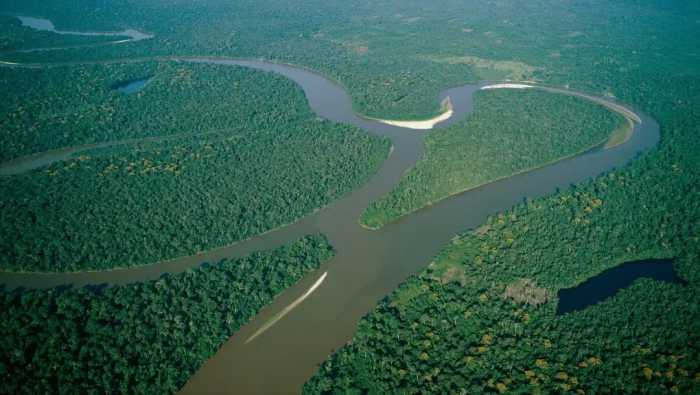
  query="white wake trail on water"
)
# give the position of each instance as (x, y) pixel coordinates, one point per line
(287, 309)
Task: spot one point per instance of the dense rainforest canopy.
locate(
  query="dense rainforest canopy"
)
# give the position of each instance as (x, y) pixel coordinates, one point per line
(394, 57)
(141, 338)
(454, 327)
(510, 131)
(482, 317)
(247, 163)
(459, 325)
(60, 107)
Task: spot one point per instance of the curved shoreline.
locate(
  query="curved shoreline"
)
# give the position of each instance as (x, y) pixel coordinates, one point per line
(36, 160)
(607, 143)
(368, 265)
(599, 145)
(42, 24)
(30, 162)
(426, 124)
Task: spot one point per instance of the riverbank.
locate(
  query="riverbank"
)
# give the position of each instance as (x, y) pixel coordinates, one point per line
(516, 128)
(287, 354)
(426, 124)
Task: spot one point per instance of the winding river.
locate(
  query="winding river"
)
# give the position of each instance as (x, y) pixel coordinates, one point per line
(265, 358)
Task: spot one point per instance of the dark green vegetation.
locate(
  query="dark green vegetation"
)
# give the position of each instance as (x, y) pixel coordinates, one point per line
(362, 44)
(66, 106)
(394, 57)
(140, 338)
(245, 162)
(482, 317)
(14, 36)
(453, 329)
(510, 131)
(335, 38)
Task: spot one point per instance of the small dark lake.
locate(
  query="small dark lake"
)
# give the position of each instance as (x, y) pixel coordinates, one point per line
(609, 282)
(132, 86)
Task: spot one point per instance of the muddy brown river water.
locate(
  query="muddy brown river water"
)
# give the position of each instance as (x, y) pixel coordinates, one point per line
(368, 264)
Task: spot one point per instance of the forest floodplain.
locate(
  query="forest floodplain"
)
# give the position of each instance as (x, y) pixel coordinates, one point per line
(483, 316)
(16, 36)
(511, 131)
(144, 337)
(489, 69)
(250, 163)
(42, 24)
(464, 328)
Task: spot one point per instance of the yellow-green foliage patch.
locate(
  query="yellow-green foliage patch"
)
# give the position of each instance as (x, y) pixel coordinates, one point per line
(490, 69)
